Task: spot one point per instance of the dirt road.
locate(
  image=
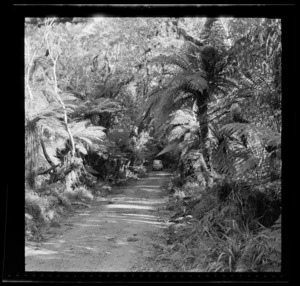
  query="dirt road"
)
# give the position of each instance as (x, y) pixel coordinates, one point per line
(113, 235)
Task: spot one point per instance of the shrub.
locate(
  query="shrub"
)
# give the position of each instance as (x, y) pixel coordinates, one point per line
(79, 194)
(235, 227)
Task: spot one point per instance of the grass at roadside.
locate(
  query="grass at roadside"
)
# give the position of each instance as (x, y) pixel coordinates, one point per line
(225, 230)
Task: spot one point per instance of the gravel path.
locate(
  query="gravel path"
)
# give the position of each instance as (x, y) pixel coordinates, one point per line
(113, 235)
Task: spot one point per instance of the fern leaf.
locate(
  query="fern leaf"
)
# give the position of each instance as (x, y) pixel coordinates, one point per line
(92, 133)
(84, 139)
(81, 148)
(68, 98)
(250, 164)
(182, 117)
(194, 80)
(177, 132)
(78, 127)
(172, 60)
(239, 128)
(168, 148)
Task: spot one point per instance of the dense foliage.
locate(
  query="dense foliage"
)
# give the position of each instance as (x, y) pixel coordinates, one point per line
(104, 97)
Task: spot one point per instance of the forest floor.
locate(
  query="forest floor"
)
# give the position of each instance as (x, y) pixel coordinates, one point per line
(119, 232)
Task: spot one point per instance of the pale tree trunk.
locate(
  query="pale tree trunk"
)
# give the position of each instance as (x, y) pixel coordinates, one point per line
(70, 176)
(27, 75)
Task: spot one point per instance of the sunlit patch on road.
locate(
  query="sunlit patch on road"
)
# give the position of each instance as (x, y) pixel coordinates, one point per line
(129, 206)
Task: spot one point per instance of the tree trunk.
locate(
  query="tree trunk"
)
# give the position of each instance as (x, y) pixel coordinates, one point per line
(31, 153)
(203, 122)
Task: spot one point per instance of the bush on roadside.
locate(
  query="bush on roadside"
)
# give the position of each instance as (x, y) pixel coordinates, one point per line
(81, 193)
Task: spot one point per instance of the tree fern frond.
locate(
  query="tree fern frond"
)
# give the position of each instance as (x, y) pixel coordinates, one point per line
(97, 106)
(238, 128)
(154, 98)
(191, 141)
(194, 80)
(81, 148)
(177, 132)
(77, 127)
(104, 103)
(172, 60)
(182, 116)
(169, 148)
(230, 156)
(92, 133)
(68, 97)
(166, 106)
(249, 164)
(84, 139)
(59, 113)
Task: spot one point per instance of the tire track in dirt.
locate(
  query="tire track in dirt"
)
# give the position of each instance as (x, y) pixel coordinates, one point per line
(113, 235)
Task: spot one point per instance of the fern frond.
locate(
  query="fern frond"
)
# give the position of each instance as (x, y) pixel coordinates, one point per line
(191, 141)
(93, 134)
(265, 136)
(250, 164)
(176, 133)
(169, 148)
(194, 80)
(154, 98)
(97, 106)
(230, 156)
(172, 60)
(238, 128)
(84, 139)
(182, 117)
(81, 148)
(68, 98)
(105, 103)
(77, 127)
(166, 105)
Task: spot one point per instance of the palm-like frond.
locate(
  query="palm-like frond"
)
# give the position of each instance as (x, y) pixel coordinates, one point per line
(79, 126)
(182, 87)
(177, 133)
(182, 131)
(229, 157)
(182, 117)
(266, 136)
(163, 104)
(233, 159)
(169, 148)
(82, 131)
(97, 106)
(92, 133)
(191, 80)
(172, 60)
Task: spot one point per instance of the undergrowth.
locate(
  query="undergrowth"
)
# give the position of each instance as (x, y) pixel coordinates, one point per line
(233, 228)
